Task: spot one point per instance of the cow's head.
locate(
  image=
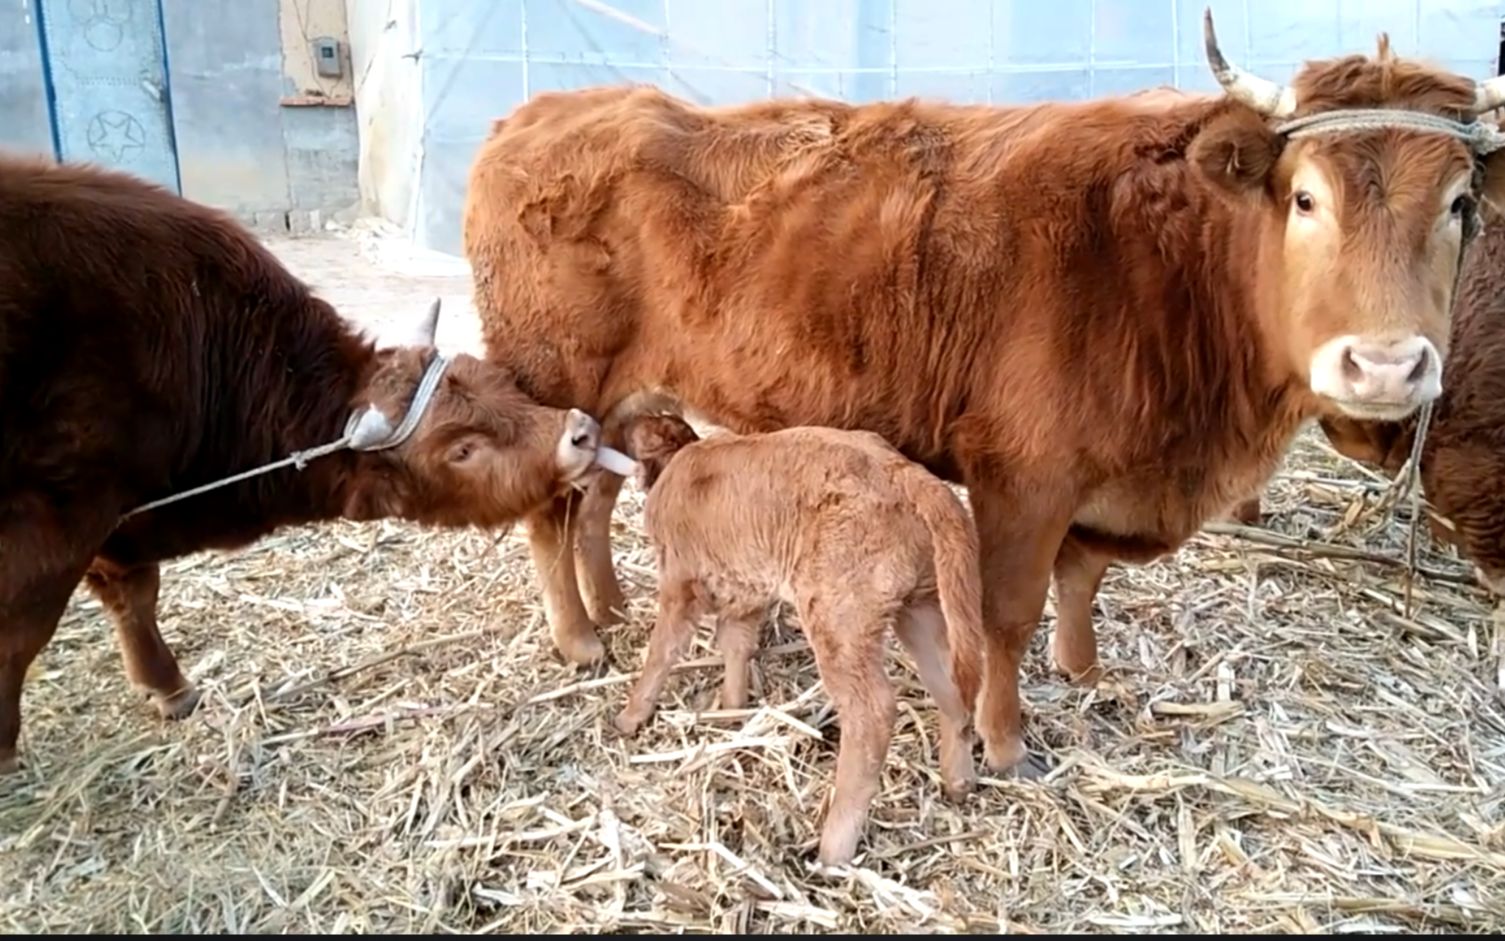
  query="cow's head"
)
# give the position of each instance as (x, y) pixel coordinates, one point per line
(1366, 214)
(652, 440)
(482, 452)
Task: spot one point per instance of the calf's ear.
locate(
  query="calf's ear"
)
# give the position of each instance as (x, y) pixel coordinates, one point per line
(1236, 151)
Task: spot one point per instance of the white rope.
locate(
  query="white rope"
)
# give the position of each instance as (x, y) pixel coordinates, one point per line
(1482, 137)
(367, 430)
(1413, 483)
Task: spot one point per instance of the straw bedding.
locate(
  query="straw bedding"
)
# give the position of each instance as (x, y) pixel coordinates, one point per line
(388, 743)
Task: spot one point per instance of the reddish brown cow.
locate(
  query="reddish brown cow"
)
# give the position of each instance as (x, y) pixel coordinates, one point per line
(1106, 318)
(149, 345)
(1463, 456)
(857, 538)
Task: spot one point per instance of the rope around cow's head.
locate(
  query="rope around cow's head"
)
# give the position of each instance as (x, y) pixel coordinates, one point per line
(366, 430)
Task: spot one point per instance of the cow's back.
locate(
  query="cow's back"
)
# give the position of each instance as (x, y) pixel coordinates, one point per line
(134, 328)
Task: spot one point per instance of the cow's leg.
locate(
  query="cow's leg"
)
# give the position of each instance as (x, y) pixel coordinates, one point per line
(601, 591)
(130, 595)
(846, 634)
(549, 532)
(29, 612)
(1019, 533)
(922, 630)
(677, 609)
(1079, 571)
(737, 632)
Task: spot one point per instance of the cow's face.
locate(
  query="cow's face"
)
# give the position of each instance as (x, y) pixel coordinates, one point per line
(483, 454)
(1364, 226)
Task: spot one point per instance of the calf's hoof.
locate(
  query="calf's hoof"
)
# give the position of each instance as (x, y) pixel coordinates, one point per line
(580, 646)
(179, 705)
(9, 762)
(957, 789)
(1078, 675)
(1012, 759)
(627, 724)
(837, 847)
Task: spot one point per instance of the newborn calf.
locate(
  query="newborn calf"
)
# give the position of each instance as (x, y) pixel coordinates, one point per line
(856, 537)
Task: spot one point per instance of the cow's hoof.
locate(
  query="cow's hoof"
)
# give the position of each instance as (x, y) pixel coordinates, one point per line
(10, 763)
(179, 705)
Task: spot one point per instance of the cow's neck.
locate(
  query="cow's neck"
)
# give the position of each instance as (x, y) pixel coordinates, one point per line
(294, 396)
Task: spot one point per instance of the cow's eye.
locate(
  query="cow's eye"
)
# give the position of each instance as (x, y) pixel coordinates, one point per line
(1304, 201)
(1460, 205)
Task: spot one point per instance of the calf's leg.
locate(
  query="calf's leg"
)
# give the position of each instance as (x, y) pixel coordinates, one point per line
(922, 630)
(1079, 572)
(737, 633)
(846, 634)
(671, 634)
(130, 595)
(549, 537)
(1019, 533)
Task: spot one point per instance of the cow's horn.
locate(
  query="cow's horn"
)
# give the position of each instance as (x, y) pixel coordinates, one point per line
(1261, 94)
(1489, 95)
(430, 326)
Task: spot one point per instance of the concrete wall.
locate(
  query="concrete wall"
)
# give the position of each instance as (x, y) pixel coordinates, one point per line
(472, 61)
(257, 130)
(24, 125)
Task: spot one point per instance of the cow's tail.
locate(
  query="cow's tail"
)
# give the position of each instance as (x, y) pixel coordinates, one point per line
(958, 578)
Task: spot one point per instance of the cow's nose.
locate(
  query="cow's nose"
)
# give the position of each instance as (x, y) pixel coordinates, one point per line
(1371, 379)
(582, 430)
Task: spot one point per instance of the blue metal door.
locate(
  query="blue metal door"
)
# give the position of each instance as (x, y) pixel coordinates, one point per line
(106, 68)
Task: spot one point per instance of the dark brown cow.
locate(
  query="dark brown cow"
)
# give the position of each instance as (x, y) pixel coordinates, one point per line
(1106, 318)
(149, 345)
(1463, 456)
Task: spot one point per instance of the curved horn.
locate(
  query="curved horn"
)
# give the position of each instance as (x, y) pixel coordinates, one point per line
(1261, 94)
(1489, 95)
(430, 325)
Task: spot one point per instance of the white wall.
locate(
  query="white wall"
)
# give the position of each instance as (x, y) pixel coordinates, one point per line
(385, 52)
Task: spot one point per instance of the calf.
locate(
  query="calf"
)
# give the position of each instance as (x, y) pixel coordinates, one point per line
(150, 346)
(856, 537)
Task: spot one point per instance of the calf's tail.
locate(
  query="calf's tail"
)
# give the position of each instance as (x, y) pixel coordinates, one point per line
(958, 579)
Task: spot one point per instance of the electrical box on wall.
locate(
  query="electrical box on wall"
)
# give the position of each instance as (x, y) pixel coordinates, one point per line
(327, 57)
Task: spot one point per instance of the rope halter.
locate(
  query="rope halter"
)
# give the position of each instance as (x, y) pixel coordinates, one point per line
(366, 430)
(1481, 137)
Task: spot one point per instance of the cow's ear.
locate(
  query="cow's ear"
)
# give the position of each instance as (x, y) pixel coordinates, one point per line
(1236, 151)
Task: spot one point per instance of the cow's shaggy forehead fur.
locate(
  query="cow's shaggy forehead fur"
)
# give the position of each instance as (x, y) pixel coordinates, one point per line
(1085, 311)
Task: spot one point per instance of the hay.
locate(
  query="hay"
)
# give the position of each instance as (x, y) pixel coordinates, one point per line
(388, 743)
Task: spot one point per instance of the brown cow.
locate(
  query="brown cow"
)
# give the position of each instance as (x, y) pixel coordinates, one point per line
(1463, 456)
(1106, 318)
(149, 345)
(854, 536)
